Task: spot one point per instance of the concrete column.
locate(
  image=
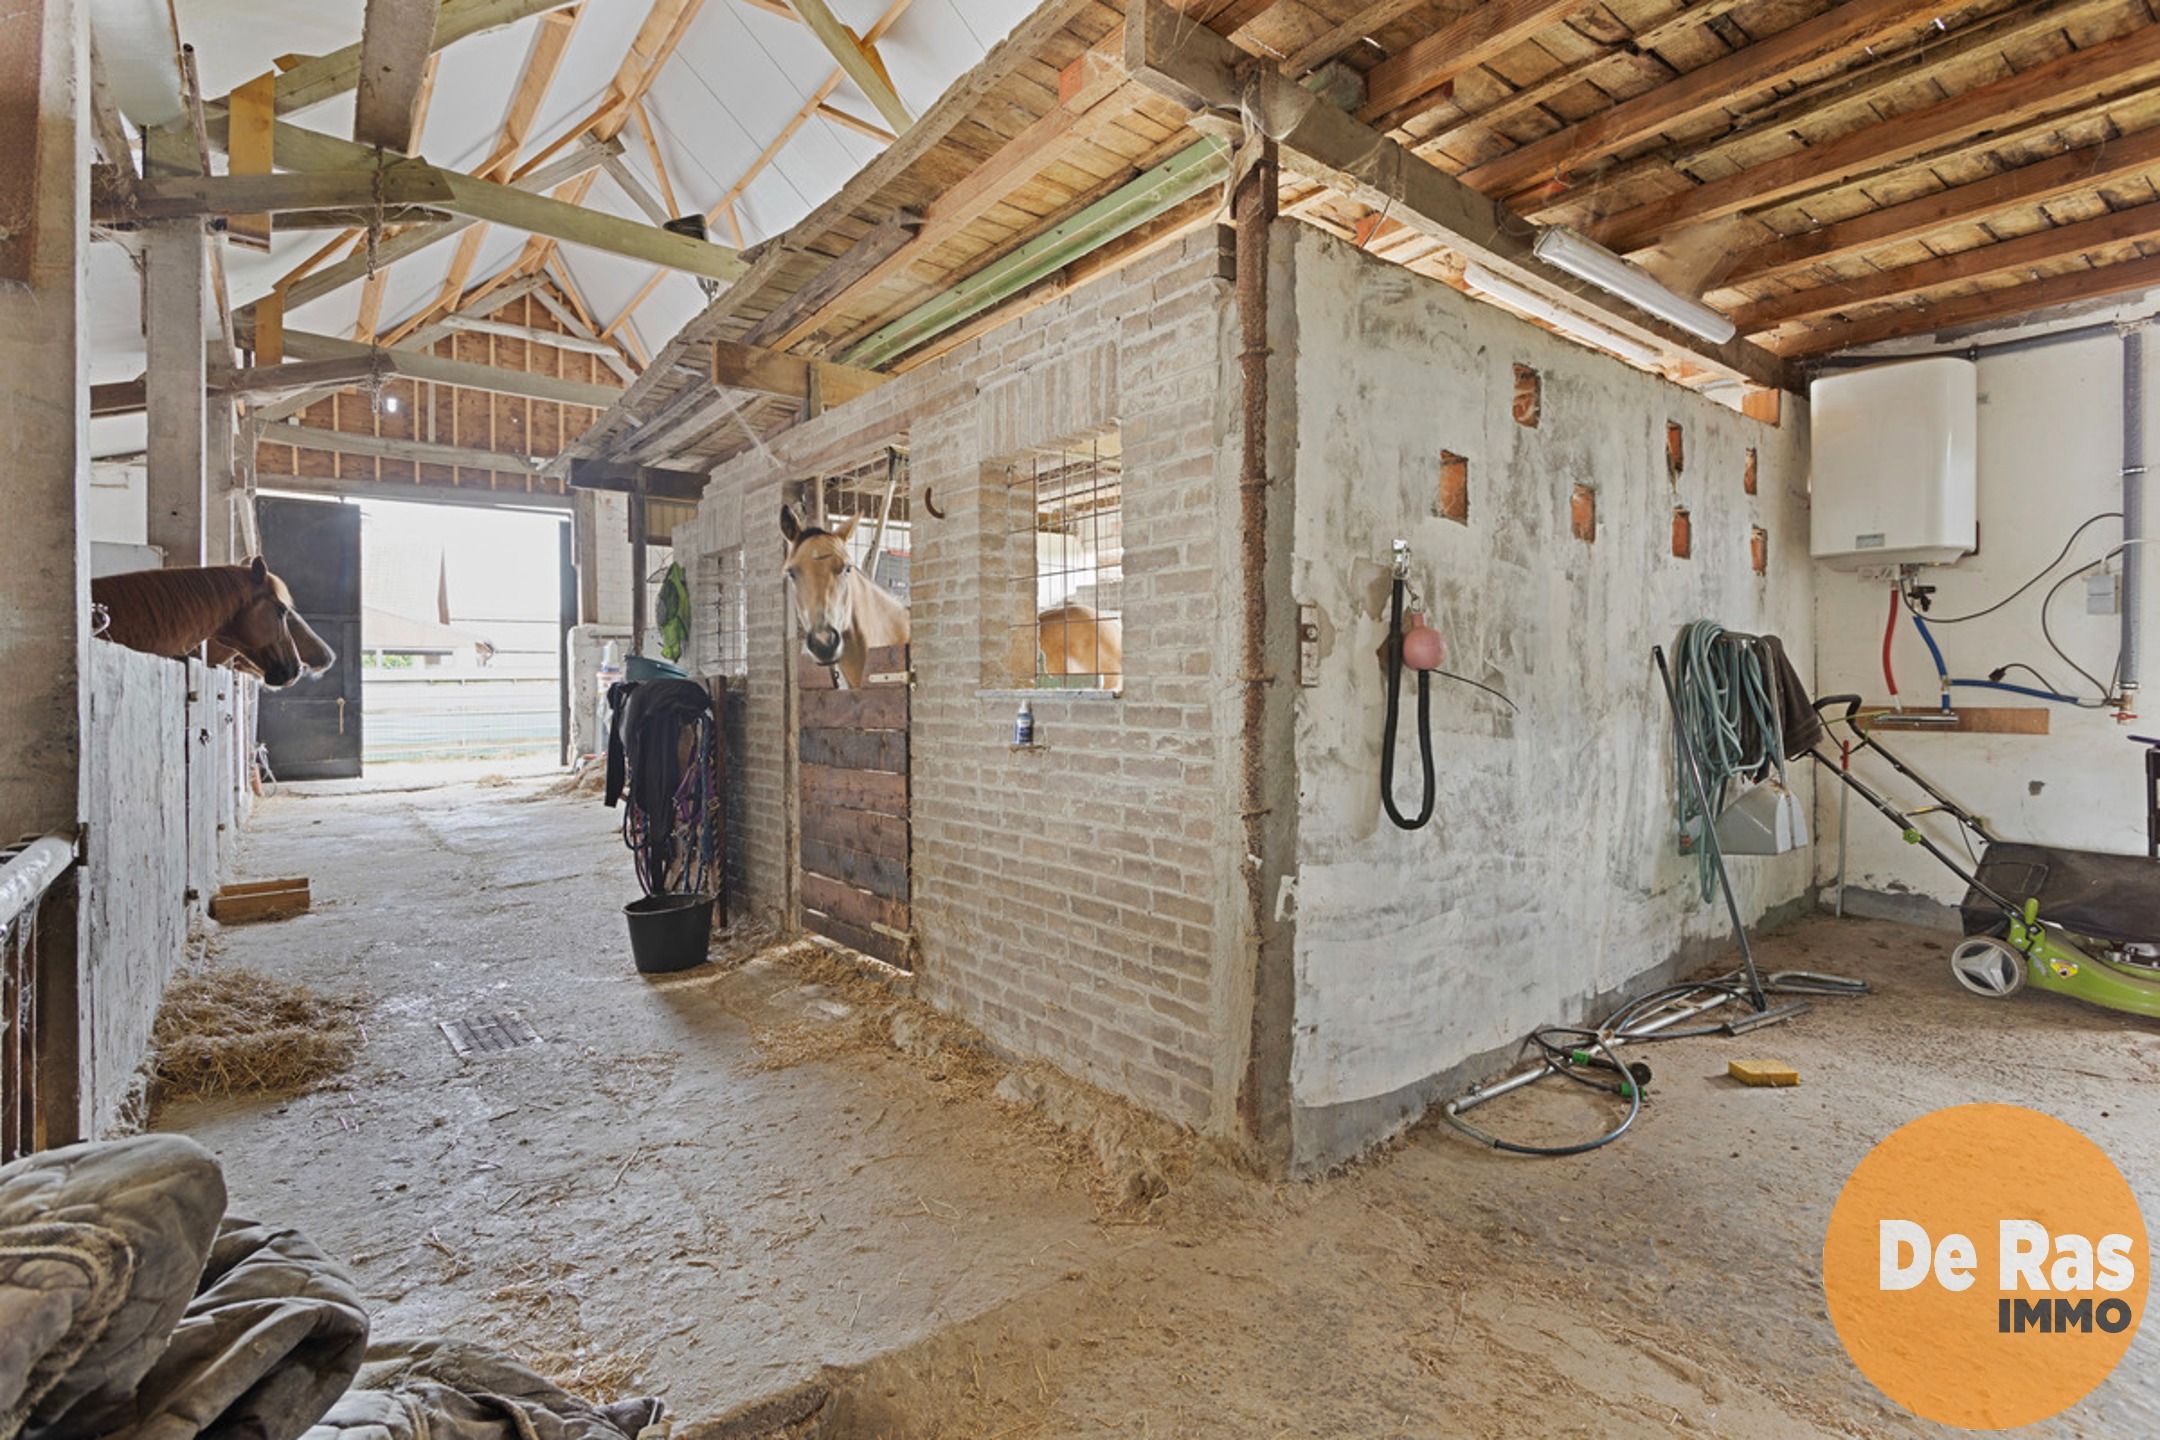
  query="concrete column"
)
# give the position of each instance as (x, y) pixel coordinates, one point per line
(44, 419)
(221, 537)
(175, 285)
(45, 544)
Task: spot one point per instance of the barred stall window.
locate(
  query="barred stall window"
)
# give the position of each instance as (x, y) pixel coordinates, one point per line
(874, 494)
(724, 636)
(1071, 502)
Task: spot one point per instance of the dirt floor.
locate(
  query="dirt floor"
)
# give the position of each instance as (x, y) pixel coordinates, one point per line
(731, 1186)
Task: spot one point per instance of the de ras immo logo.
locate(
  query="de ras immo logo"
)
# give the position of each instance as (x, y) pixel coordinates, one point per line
(1986, 1266)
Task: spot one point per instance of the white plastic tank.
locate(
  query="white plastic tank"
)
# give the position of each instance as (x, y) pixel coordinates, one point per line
(1893, 474)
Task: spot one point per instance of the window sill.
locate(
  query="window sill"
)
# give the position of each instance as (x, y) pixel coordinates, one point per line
(1049, 694)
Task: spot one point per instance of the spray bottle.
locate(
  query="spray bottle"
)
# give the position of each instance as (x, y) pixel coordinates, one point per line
(1024, 725)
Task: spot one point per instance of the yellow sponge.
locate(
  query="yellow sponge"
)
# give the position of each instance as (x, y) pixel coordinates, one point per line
(1762, 1072)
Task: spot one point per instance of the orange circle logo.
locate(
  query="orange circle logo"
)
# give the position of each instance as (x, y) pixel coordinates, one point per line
(1986, 1266)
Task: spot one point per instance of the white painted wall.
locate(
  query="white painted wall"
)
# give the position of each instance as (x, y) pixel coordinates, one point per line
(1550, 874)
(166, 783)
(2050, 453)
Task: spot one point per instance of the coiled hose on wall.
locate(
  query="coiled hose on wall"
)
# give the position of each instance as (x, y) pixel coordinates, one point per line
(1722, 686)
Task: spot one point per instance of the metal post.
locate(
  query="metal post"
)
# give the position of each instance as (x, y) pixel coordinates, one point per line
(637, 569)
(884, 514)
(1843, 796)
(566, 607)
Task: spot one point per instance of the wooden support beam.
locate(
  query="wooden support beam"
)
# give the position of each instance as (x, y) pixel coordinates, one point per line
(1333, 42)
(265, 381)
(330, 278)
(1932, 317)
(640, 194)
(659, 162)
(1095, 97)
(251, 152)
(736, 366)
(324, 77)
(1327, 145)
(856, 59)
(2088, 168)
(471, 325)
(2004, 257)
(118, 397)
(805, 309)
(828, 111)
(649, 480)
(416, 492)
(2067, 83)
(1838, 33)
(307, 150)
(395, 42)
(403, 183)
(1414, 81)
(417, 452)
(470, 375)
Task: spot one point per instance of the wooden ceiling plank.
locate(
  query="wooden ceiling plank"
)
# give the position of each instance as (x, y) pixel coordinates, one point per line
(1486, 33)
(396, 40)
(1326, 46)
(1981, 262)
(1836, 34)
(2059, 85)
(2070, 173)
(1567, 77)
(2076, 287)
(1096, 95)
(1878, 82)
(1328, 145)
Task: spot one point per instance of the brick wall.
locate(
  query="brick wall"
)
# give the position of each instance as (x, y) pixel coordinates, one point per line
(1075, 900)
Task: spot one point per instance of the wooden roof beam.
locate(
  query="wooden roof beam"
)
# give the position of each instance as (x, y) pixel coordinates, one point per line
(2067, 83)
(648, 480)
(1317, 140)
(2088, 168)
(856, 59)
(736, 366)
(403, 183)
(324, 77)
(1933, 317)
(2004, 257)
(1093, 87)
(1836, 34)
(442, 370)
(417, 452)
(307, 150)
(395, 43)
(1415, 81)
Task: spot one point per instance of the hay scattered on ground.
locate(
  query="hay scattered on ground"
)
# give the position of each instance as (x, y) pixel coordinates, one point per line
(229, 1030)
(588, 779)
(537, 1322)
(1127, 1161)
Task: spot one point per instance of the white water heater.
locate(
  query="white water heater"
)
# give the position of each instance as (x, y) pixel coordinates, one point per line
(1893, 475)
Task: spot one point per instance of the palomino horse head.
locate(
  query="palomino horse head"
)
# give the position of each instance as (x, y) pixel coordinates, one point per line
(818, 563)
(266, 635)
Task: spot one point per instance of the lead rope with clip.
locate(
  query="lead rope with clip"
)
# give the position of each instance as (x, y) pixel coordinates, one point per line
(1394, 705)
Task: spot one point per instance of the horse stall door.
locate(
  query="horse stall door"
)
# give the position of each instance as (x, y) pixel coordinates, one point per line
(853, 745)
(312, 729)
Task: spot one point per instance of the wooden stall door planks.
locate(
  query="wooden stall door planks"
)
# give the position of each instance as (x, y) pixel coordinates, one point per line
(853, 748)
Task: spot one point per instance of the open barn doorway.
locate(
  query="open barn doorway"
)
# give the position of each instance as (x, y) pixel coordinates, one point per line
(451, 625)
(851, 745)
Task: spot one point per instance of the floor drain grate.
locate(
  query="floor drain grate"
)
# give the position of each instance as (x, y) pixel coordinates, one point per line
(488, 1034)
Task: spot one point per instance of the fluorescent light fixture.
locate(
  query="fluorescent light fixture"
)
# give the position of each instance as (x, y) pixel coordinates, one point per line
(1563, 249)
(1530, 303)
(389, 403)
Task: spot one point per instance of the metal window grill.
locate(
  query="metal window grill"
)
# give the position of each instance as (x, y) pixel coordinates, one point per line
(874, 493)
(1075, 519)
(724, 640)
(27, 872)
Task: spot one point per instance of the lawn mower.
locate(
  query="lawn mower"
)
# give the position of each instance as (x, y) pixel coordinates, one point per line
(2077, 922)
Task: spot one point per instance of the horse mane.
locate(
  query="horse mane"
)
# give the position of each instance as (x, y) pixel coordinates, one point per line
(171, 612)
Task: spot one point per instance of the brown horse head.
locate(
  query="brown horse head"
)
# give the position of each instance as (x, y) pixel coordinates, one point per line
(266, 635)
(817, 561)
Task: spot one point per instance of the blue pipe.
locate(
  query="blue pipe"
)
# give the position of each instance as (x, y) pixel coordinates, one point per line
(2017, 690)
(1942, 671)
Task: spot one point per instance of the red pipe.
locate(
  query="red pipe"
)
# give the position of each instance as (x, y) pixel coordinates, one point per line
(1890, 633)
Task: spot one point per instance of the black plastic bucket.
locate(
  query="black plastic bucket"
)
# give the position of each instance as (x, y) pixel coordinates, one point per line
(669, 932)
